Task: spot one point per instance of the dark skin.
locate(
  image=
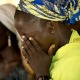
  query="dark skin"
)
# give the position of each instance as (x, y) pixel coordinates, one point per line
(27, 24)
(9, 56)
(6, 55)
(38, 40)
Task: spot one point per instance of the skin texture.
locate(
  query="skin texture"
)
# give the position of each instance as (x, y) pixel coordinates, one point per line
(40, 30)
(39, 36)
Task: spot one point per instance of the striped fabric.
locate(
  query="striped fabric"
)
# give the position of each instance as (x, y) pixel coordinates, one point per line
(54, 10)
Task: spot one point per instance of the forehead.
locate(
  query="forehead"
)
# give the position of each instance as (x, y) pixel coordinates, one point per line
(28, 18)
(28, 22)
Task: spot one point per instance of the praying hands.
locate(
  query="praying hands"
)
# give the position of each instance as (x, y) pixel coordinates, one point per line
(35, 56)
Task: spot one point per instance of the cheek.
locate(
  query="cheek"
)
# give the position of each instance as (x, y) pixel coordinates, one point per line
(44, 41)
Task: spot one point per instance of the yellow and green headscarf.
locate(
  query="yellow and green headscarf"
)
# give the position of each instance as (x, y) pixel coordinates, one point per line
(54, 10)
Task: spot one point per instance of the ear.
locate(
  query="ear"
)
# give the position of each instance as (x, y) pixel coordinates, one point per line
(51, 50)
(54, 47)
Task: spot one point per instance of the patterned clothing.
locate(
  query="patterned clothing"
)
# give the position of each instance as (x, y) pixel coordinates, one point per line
(54, 10)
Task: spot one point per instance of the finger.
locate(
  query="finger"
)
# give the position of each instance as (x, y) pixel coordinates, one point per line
(51, 50)
(27, 66)
(24, 47)
(27, 45)
(24, 54)
(25, 61)
(30, 48)
(35, 44)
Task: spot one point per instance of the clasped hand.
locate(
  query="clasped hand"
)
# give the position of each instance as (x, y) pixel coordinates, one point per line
(35, 56)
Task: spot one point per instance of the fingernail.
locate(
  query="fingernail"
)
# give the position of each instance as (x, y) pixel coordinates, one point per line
(22, 40)
(23, 37)
(30, 38)
(22, 47)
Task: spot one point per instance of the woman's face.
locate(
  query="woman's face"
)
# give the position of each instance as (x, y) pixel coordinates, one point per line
(40, 30)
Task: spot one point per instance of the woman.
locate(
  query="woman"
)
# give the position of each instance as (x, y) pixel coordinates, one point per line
(41, 39)
(54, 10)
(61, 13)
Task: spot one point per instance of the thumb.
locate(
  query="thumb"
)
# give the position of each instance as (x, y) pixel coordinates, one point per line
(51, 49)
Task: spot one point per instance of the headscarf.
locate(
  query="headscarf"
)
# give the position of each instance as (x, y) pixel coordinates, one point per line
(54, 10)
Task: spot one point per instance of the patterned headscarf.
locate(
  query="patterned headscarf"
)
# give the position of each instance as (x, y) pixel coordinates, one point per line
(54, 10)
